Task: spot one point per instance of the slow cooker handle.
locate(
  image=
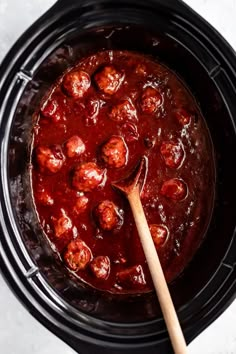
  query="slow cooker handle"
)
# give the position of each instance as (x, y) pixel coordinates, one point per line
(168, 3)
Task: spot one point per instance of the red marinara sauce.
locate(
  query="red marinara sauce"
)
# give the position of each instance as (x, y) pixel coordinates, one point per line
(93, 126)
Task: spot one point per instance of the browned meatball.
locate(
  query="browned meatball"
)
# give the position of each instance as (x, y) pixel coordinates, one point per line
(115, 152)
(88, 176)
(49, 159)
(74, 146)
(108, 79)
(107, 215)
(132, 277)
(100, 267)
(76, 83)
(173, 153)
(175, 189)
(123, 111)
(62, 225)
(151, 100)
(53, 111)
(160, 234)
(81, 204)
(78, 255)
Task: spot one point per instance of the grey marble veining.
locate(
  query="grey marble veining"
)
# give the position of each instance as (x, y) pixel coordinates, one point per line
(20, 333)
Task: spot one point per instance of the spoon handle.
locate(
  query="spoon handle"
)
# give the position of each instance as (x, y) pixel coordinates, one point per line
(158, 278)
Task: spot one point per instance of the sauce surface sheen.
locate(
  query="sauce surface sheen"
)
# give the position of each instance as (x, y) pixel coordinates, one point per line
(93, 126)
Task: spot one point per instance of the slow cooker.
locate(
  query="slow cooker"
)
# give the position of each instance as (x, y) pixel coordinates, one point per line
(88, 320)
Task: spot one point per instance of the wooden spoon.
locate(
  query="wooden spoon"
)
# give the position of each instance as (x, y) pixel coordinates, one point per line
(132, 187)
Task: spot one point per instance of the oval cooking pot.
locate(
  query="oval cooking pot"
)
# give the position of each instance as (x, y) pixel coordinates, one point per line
(88, 320)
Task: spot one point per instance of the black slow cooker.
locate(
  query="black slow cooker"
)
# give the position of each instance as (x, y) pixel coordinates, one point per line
(88, 320)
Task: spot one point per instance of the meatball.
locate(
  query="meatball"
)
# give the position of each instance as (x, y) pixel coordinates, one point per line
(175, 189)
(107, 215)
(49, 159)
(160, 234)
(183, 116)
(81, 204)
(151, 100)
(108, 79)
(172, 153)
(115, 152)
(62, 225)
(74, 146)
(123, 111)
(100, 267)
(76, 83)
(77, 255)
(88, 176)
(53, 111)
(132, 277)
(129, 131)
(44, 197)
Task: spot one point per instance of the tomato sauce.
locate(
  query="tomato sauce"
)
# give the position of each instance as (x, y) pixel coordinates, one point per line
(94, 125)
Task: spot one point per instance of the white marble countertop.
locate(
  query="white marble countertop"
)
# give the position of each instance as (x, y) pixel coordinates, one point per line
(20, 333)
